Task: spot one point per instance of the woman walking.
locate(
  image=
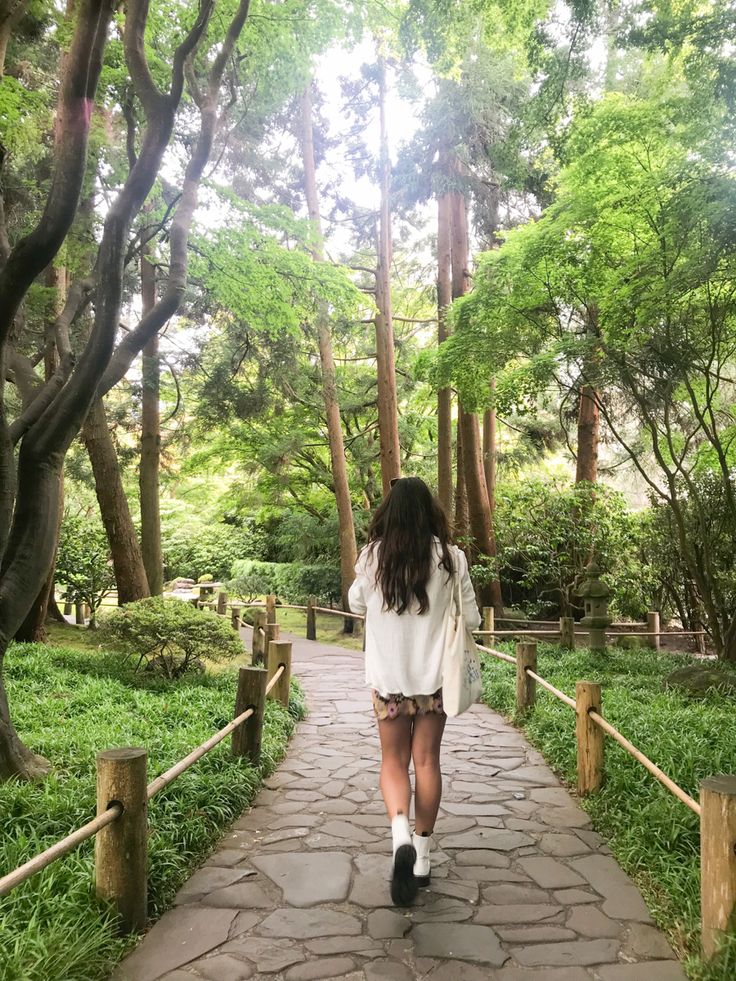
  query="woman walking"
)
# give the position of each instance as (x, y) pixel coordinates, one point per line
(403, 584)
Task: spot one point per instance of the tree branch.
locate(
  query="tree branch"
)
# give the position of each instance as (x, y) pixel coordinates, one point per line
(78, 85)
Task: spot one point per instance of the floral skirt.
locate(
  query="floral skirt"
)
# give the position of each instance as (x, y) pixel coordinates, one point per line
(393, 706)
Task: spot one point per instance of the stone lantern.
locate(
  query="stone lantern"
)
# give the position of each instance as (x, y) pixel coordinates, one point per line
(595, 595)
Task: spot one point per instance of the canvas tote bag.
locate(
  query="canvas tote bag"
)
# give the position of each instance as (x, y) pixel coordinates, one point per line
(461, 682)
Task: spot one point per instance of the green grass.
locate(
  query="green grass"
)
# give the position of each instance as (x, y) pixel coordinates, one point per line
(654, 837)
(329, 628)
(68, 704)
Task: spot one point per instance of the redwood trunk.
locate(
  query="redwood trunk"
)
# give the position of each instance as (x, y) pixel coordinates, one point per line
(150, 445)
(444, 396)
(388, 419)
(588, 411)
(588, 436)
(348, 548)
(462, 527)
(127, 560)
(489, 455)
(479, 513)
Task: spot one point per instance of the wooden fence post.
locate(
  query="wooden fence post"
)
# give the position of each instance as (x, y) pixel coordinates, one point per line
(273, 632)
(246, 739)
(279, 652)
(653, 630)
(222, 602)
(79, 613)
(311, 619)
(567, 633)
(121, 848)
(717, 859)
(271, 608)
(259, 636)
(489, 618)
(526, 687)
(590, 737)
(235, 617)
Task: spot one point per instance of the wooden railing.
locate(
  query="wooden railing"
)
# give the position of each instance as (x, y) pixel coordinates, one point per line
(121, 825)
(565, 630)
(716, 809)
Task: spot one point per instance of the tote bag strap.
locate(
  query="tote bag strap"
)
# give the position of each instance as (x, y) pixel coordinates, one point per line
(456, 600)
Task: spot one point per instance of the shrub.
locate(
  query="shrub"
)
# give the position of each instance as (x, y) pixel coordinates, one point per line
(83, 563)
(192, 549)
(170, 636)
(545, 533)
(290, 581)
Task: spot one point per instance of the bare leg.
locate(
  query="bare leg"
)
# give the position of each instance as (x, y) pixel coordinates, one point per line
(395, 735)
(425, 749)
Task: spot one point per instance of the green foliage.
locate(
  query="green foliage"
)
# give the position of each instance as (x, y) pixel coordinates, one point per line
(69, 706)
(83, 564)
(170, 636)
(653, 836)
(291, 582)
(192, 548)
(546, 531)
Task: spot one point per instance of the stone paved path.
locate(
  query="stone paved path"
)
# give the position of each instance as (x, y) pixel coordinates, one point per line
(522, 889)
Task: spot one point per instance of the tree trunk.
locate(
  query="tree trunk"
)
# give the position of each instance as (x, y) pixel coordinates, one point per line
(462, 527)
(150, 443)
(33, 628)
(588, 436)
(16, 760)
(489, 454)
(444, 396)
(127, 560)
(588, 413)
(479, 514)
(348, 548)
(388, 421)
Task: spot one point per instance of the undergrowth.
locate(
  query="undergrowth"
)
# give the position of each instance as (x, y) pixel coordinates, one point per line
(654, 837)
(69, 704)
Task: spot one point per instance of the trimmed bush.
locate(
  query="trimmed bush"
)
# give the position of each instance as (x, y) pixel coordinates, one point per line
(170, 636)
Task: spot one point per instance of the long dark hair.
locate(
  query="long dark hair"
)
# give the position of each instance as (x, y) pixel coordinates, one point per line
(402, 536)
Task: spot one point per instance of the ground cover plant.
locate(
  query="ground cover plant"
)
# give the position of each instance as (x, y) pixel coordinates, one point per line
(653, 836)
(70, 704)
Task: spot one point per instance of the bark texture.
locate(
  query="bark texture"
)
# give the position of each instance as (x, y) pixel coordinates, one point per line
(127, 560)
(150, 445)
(479, 513)
(348, 548)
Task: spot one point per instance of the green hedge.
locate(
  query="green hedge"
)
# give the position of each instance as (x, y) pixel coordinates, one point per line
(290, 581)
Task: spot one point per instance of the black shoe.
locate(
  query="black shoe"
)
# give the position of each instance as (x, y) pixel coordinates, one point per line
(404, 886)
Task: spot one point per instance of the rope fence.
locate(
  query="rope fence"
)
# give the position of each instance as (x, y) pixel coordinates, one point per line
(121, 825)
(716, 810)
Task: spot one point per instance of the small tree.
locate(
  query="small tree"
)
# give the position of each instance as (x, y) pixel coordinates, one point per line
(84, 566)
(170, 636)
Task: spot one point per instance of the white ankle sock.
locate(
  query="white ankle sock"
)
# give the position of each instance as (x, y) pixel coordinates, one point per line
(400, 831)
(422, 845)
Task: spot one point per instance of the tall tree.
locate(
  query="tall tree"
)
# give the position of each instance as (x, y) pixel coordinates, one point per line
(444, 395)
(127, 560)
(29, 506)
(348, 548)
(479, 513)
(388, 421)
(150, 439)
